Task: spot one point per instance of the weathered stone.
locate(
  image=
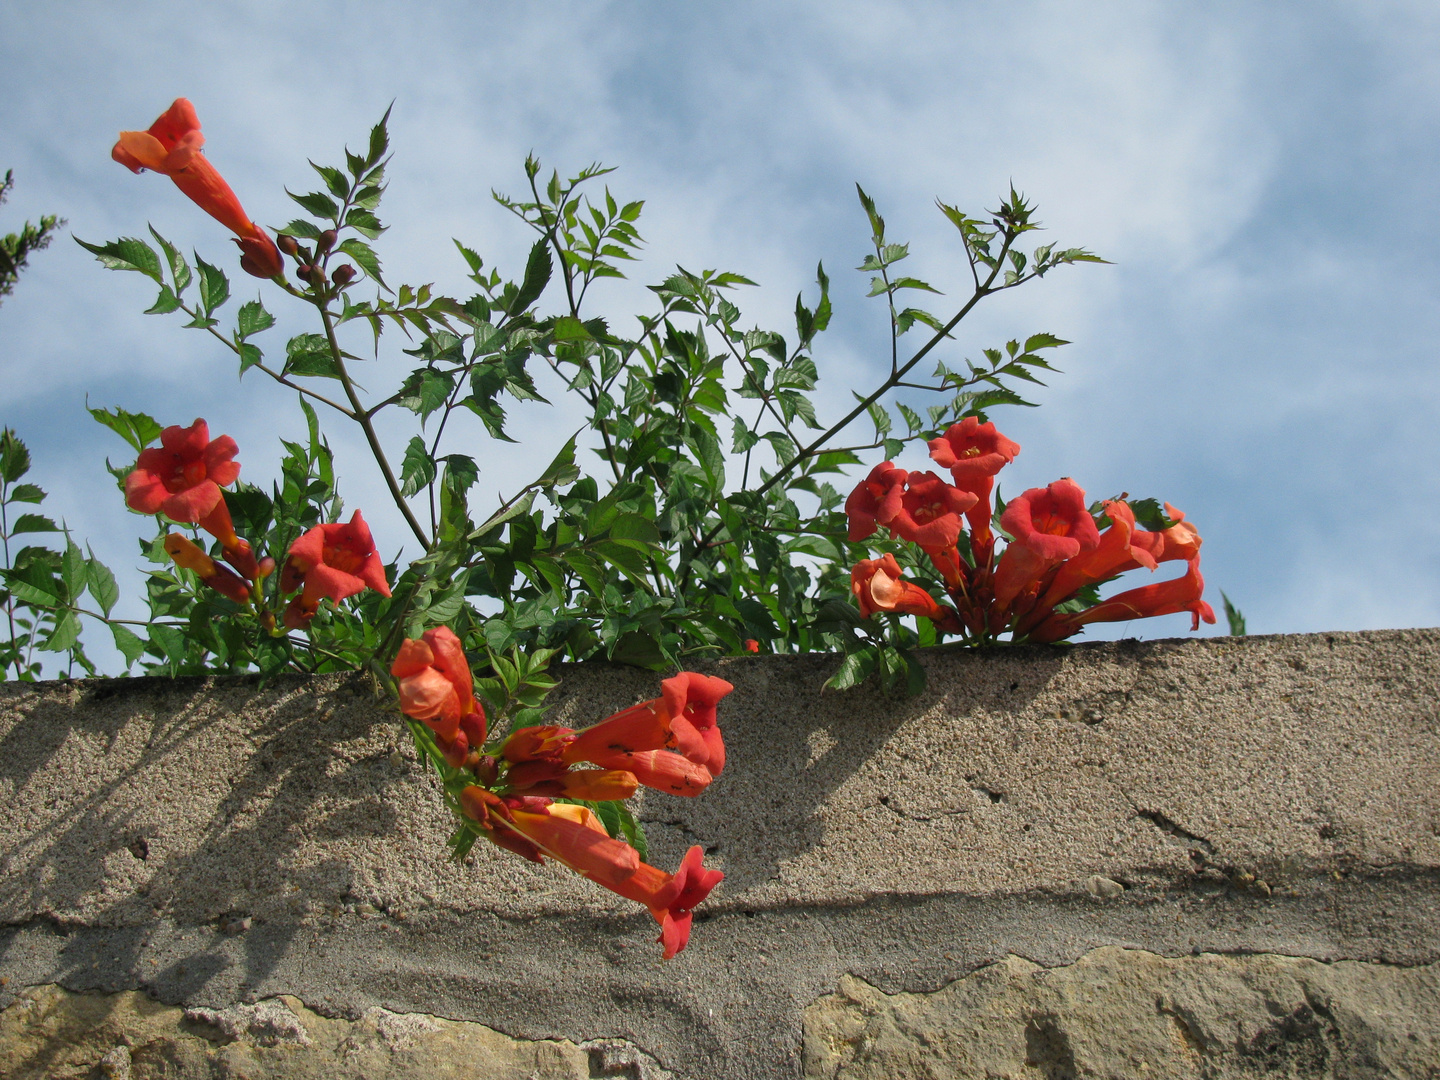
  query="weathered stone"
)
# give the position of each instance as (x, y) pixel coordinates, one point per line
(1123, 1014)
(223, 843)
(52, 1034)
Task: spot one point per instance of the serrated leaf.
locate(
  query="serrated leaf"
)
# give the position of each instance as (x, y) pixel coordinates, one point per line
(634, 527)
(137, 429)
(65, 634)
(418, 468)
(334, 180)
(365, 257)
(538, 268)
(305, 230)
(15, 463)
(379, 139)
(214, 287)
(26, 493)
(179, 268)
(127, 253)
(854, 670)
(309, 354)
(165, 303)
(252, 318)
(317, 203)
(250, 355)
(33, 523)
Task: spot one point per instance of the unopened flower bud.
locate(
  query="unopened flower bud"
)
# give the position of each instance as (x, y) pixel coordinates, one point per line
(326, 240)
(288, 244)
(267, 567)
(487, 770)
(343, 274)
(303, 271)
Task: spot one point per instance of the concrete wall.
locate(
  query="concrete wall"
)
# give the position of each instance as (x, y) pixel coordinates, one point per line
(1214, 857)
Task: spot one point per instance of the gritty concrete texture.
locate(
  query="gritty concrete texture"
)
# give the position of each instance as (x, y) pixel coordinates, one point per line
(1124, 1013)
(220, 842)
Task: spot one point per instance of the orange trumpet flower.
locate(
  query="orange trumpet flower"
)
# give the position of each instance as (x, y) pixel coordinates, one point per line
(172, 146)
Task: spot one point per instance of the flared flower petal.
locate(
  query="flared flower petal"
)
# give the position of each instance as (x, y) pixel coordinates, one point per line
(972, 451)
(878, 585)
(181, 477)
(1162, 598)
(875, 500)
(929, 512)
(172, 146)
(1049, 524)
(334, 562)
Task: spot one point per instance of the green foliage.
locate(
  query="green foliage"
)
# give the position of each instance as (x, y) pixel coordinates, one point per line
(1233, 616)
(15, 248)
(709, 511)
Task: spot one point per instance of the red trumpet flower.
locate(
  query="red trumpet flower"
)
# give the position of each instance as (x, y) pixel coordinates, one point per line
(572, 835)
(437, 688)
(879, 586)
(331, 562)
(1050, 525)
(1162, 598)
(172, 146)
(875, 500)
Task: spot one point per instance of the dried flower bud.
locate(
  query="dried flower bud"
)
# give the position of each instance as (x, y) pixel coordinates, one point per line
(343, 275)
(288, 244)
(326, 240)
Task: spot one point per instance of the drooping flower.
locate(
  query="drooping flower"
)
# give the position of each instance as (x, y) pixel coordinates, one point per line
(437, 687)
(875, 500)
(878, 585)
(182, 476)
(1162, 598)
(574, 836)
(331, 562)
(1050, 525)
(172, 146)
(1180, 541)
(189, 555)
(690, 701)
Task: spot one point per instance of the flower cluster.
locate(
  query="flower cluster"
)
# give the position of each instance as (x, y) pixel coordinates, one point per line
(507, 790)
(182, 479)
(1040, 588)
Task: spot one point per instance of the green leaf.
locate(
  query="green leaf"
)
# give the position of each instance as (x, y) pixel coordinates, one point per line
(32, 523)
(101, 583)
(638, 649)
(15, 462)
(334, 180)
(179, 268)
(1233, 616)
(634, 834)
(379, 140)
(309, 354)
(635, 527)
(214, 287)
(318, 203)
(26, 493)
(250, 355)
(305, 230)
(165, 303)
(65, 634)
(854, 670)
(252, 319)
(363, 222)
(34, 585)
(538, 268)
(131, 646)
(127, 253)
(72, 570)
(418, 468)
(137, 429)
(365, 257)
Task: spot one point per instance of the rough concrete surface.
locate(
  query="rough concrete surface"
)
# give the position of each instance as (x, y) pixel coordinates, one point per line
(214, 842)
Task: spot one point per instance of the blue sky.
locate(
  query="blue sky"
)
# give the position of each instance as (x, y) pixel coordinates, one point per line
(1261, 353)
